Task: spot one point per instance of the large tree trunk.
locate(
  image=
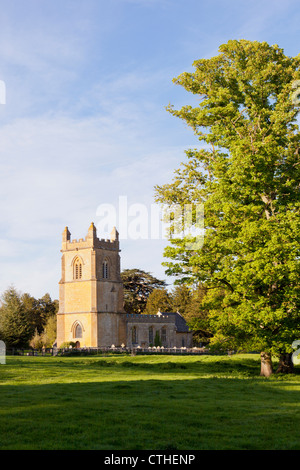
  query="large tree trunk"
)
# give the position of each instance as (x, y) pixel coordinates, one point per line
(285, 365)
(266, 368)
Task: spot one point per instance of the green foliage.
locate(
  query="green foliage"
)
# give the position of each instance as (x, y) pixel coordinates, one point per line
(196, 314)
(16, 328)
(138, 285)
(181, 298)
(159, 299)
(67, 344)
(23, 319)
(151, 402)
(247, 176)
(36, 341)
(48, 336)
(49, 333)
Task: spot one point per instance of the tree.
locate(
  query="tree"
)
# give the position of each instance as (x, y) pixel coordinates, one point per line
(47, 338)
(197, 314)
(16, 327)
(181, 297)
(23, 319)
(159, 299)
(247, 176)
(49, 333)
(48, 308)
(138, 285)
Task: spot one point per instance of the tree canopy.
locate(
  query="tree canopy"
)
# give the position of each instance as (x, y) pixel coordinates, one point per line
(159, 299)
(138, 285)
(22, 317)
(246, 174)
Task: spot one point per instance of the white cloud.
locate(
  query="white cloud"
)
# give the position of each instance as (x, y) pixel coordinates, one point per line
(84, 120)
(55, 172)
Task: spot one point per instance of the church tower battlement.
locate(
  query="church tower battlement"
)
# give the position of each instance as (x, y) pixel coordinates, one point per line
(91, 240)
(90, 290)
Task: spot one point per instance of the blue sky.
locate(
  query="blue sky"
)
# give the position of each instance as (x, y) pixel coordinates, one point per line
(85, 121)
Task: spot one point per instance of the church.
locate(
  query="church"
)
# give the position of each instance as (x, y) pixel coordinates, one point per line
(91, 300)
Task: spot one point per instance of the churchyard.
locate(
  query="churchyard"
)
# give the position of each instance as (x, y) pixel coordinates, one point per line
(122, 402)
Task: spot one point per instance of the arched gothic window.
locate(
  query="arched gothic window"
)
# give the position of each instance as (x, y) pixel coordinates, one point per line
(105, 269)
(134, 335)
(164, 336)
(151, 336)
(78, 331)
(77, 269)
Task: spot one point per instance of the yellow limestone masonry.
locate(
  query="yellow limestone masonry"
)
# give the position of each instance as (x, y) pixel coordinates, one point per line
(91, 310)
(91, 301)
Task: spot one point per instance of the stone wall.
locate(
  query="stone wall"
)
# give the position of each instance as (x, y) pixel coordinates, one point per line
(111, 329)
(142, 335)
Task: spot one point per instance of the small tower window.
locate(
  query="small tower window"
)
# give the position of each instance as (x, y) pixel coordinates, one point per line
(105, 270)
(77, 269)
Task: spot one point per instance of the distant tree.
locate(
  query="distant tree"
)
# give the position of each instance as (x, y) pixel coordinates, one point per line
(181, 297)
(47, 337)
(138, 285)
(33, 313)
(48, 307)
(16, 328)
(159, 299)
(49, 333)
(39, 310)
(23, 318)
(197, 313)
(36, 341)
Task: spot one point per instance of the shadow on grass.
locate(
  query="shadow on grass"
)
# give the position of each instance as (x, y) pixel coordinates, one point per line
(188, 414)
(235, 366)
(205, 365)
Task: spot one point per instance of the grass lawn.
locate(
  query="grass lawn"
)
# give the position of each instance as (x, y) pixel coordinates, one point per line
(146, 402)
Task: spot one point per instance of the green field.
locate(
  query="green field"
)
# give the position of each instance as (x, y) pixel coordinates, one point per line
(146, 402)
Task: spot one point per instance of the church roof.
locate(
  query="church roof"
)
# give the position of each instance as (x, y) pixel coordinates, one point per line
(180, 322)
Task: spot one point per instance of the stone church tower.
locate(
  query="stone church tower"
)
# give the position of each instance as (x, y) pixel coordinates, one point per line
(91, 310)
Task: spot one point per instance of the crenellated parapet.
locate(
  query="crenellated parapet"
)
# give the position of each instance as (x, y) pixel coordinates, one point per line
(144, 318)
(90, 241)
